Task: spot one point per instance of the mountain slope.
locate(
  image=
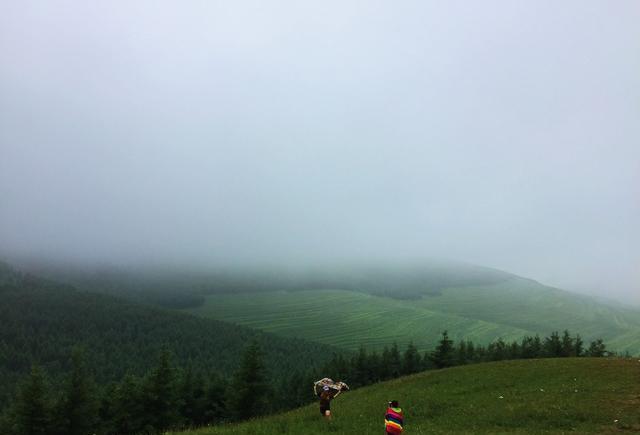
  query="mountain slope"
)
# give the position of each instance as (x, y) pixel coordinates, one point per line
(508, 309)
(581, 395)
(43, 320)
(348, 319)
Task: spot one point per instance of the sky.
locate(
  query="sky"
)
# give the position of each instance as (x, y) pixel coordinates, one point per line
(500, 133)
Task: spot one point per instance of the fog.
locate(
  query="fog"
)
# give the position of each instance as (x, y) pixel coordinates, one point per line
(505, 134)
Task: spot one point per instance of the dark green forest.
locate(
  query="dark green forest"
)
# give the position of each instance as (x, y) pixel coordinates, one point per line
(42, 322)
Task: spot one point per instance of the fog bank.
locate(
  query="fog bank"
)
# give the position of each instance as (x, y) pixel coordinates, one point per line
(200, 134)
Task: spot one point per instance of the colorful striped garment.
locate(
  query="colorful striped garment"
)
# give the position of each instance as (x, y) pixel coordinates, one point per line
(393, 420)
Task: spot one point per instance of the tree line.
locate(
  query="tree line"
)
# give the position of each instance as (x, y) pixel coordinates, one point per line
(165, 397)
(168, 396)
(365, 368)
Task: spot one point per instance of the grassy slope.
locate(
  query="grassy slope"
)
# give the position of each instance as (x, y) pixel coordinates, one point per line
(509, 310)
(539, 396)
(347, 319)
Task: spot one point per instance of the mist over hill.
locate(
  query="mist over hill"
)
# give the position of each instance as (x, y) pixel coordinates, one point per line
(367, 303)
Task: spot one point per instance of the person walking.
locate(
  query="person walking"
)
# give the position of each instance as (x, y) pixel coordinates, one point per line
(393, 419)
(327, 390)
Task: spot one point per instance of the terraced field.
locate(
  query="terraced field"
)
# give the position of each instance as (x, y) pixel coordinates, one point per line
(349, 319)
(548, 396)
(533, 307)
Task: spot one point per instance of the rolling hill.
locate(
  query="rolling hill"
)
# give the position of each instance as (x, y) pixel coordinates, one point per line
(349, 305)
(578, 395)
(497, 306)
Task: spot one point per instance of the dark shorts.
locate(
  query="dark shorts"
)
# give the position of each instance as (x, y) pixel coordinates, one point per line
(324, 407)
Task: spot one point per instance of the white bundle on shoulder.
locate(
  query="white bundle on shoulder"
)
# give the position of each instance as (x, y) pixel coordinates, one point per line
(328, 384)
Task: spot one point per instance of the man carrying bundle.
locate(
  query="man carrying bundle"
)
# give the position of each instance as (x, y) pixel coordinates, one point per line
(327, 390)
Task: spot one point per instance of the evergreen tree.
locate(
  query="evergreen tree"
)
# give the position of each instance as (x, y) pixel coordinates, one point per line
(497, 350)
(443, 355)
(480, 354)
(295, 391)
(128, 408)
(215, 403)
(527, 348)
(77, 410)
(374, 367)
(249, 389)
(160, 394)
(553, 345)
(597, 348)
(471, 352)
(411, 360)
(514, 350)
(579, 345)
(395, 363)
(360, 369)
(461, 353)
(536, 347)
(338, 367)
(568, 346)
(32, 407)
(193, 399)
(385, 364)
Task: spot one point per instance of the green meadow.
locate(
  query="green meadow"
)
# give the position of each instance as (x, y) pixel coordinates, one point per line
(349, 319)
(548, 396)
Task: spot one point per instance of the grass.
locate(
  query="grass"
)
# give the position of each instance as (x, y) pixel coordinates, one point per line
(584, 395)
(349, 319)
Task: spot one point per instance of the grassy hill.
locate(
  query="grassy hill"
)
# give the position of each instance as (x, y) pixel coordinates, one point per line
(536, 396)
(353, 304)
(509, 308)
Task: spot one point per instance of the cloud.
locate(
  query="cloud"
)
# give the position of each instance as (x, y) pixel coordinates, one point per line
(501, 134)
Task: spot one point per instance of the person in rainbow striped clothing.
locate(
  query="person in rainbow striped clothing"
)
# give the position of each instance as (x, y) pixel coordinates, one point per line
(393, 419)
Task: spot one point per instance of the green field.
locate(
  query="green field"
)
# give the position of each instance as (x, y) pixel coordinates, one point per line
(584, 395)
(509, 309)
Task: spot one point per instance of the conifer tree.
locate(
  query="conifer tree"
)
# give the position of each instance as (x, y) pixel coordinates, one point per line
(395, 363)
(536, 347)
(597, 348)
(514, 350)
(471, 352)
(360, 369)
(374, 367)
(249, 389)
(461, 353)
(77, 411)
(411, 360)
(128, 407)
(160, 396)
(32, 407)
(553, 345)
(578, 345)
(385, 364)
(295, 391)
(568, 346)
(526, 347)
(215, 402)
(192, 397)
(443, 355)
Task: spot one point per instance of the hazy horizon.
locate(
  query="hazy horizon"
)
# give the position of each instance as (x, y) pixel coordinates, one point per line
(199, 134)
